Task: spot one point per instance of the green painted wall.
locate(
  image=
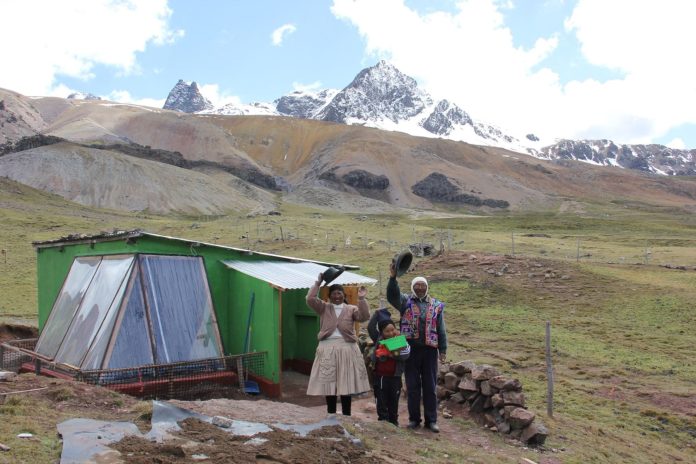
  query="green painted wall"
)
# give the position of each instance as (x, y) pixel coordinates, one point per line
(300, 326)
(265, 324)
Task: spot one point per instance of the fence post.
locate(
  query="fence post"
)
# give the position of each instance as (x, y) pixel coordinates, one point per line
(549, 372)
(577, 252)
(513, 244)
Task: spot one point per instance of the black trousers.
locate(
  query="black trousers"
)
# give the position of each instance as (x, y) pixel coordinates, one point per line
(387, 392)
(421, 379)
(346, 401)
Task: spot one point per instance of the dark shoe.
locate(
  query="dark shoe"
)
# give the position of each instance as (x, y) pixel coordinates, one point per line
(433, 427)
(413, 425)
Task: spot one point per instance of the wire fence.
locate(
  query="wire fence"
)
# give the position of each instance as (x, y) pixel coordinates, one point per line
(667, 251)
(222, 377)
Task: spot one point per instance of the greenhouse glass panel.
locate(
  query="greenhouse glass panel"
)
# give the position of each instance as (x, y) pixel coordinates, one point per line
(132, 346)
(69, 298)
(179, 302)
(95, 304)
(95, 355)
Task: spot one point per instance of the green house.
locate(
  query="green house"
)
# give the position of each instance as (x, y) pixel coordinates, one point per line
(133, 298)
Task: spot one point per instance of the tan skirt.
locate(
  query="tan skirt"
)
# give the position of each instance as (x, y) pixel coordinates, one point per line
(338, 369)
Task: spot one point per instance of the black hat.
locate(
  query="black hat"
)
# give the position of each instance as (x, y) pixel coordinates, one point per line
(331, 273)
(381, 325)
(402, 262)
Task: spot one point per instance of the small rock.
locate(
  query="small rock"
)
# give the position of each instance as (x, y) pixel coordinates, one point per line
(451, 381)
(467, 384)
(446, 414)
(535, 434)
(223, 422)
(521, 418)
(484, 372)
(462, 367)
(25, 435)
(6, 376)
(513, 398)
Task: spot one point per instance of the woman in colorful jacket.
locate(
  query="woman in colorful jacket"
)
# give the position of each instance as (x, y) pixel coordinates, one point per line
(423, 324)
(339, 368)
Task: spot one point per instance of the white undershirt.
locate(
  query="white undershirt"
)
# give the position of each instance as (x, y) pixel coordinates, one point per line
(336, 333)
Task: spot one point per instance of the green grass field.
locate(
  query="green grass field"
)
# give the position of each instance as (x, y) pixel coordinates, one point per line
(625, 374)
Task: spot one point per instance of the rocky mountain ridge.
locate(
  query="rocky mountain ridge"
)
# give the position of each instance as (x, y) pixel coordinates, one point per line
(653, 158)
(187, 98)
(383, 97)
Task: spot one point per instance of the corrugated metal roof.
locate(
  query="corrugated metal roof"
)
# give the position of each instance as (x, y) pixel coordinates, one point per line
(290, 276)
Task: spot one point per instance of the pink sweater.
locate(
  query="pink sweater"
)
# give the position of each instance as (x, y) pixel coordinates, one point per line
(328, 322)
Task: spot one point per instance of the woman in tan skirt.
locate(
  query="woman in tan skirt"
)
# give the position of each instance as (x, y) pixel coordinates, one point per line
(339, 368)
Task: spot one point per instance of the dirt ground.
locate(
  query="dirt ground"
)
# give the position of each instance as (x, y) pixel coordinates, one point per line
(17, 332)
(380, 441)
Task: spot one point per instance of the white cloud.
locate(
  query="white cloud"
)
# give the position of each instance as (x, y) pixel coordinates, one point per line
(45, 39)
(279, 34)
(470, 56)
(297, 86)
(677, 143)
(123, 96)
(217, 97)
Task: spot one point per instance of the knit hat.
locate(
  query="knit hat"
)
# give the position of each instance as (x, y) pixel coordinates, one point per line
(419, 279)
(381, 325)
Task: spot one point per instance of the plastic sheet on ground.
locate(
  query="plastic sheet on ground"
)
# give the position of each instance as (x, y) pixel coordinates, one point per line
(87, 440)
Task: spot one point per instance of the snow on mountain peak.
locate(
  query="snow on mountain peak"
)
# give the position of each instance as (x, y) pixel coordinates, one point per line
(187, 98)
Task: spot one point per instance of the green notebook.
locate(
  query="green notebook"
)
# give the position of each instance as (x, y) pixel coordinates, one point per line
(395, 343)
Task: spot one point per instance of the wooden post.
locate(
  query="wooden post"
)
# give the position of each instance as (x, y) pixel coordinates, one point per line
(513, 244)
(549, 372)
(282, 238)
(577, 252)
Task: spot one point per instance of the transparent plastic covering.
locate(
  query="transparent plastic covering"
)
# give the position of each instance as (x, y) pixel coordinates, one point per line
(69, 298)
(133, 344)
(114, 312)
(95, 354)
(180, 307)
(96, 303)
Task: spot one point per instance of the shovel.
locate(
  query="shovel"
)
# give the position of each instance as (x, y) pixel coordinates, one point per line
(249, 385)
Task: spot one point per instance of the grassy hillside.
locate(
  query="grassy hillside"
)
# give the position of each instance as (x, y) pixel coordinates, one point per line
(622, 323)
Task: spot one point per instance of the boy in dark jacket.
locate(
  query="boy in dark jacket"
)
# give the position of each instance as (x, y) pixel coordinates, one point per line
(389, 366)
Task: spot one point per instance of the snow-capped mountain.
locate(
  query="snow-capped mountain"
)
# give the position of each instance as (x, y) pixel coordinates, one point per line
(657, 159)
(187, 98)
(380, 96)
(243, 109)
(383, 97)
(83, 96)
(305, 105)
(376, 94)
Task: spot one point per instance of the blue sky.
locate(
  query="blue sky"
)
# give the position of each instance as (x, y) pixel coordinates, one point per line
(614, 69)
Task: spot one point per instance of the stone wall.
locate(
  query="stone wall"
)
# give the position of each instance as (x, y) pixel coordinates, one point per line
(495, 401)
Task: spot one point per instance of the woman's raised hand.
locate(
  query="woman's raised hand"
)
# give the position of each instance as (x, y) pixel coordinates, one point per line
(362, 292)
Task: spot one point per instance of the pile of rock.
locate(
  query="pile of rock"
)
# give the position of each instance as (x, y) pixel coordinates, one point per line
(493, 400)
